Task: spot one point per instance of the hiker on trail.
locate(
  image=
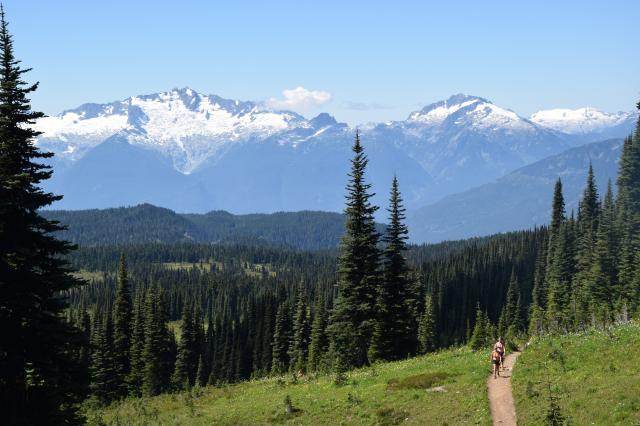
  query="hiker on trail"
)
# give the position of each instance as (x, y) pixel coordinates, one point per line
(499, 347)
(495, 362)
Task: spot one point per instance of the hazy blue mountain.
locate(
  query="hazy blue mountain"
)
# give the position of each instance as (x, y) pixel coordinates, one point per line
(195, 153)
(519, 200)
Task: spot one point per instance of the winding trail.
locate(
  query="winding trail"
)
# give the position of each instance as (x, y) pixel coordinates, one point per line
(503, 409)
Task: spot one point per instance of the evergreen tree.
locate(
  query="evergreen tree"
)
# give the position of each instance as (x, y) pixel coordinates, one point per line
(628, 220)
(155, 346)
(587, 227)
(559, 280)
(427, 331)
(538, 293)
(186, 365)
(137, 362)
(603, 268)
(298, 351)
(354, 308)
(393, 334)
(511, 316)
(319, 342)
(201, 374)
(104, 385)
(40, 377)
(480, 334)
(122, 328)
(281, 340)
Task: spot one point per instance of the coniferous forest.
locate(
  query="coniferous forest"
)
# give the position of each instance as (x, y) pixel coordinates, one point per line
(92, 325)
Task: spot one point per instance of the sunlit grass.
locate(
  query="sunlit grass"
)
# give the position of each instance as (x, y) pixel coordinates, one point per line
(595, 376)
(369, 397)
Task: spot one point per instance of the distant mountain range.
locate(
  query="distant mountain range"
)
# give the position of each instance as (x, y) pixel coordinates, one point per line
(192, 152)
(519, 200)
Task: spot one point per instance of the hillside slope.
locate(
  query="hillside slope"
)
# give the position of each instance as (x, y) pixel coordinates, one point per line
(594, 376)
(146, 223)
(519, 200)
(444, 388)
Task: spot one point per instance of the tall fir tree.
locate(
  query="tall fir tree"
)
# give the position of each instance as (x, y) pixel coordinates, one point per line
(156, 342)
(299, 349)
(122, 328)
(393, 333)
(186, 366)
(319, 343)
(281, 340)
(511, 318)
(136, 360)
(559, 277)
(602, 274)
(480, 334)
(628, 221)
(353, 314)
(538, 293)
(39, 369)
(104, 385)
(586, 235)
(427, 337)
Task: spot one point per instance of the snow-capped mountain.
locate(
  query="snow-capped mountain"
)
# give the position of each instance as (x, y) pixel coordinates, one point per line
(466, 139)
(182, 124)
(585, 121)
(193, 152)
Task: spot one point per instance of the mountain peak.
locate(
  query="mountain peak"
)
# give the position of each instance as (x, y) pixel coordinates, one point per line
(323, 120)
(437, 112)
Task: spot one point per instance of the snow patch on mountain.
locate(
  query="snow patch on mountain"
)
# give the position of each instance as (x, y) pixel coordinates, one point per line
(187, 126)
(581, 120)
(469, 110)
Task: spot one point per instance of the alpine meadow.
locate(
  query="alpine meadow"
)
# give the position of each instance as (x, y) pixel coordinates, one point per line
(184, 258)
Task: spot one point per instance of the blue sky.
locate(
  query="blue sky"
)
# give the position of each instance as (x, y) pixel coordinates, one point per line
(360, 61)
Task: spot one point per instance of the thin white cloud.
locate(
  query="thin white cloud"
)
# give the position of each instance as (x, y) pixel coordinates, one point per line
(300, 99)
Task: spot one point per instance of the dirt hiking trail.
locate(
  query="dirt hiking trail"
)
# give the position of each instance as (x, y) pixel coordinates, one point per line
(503, 409)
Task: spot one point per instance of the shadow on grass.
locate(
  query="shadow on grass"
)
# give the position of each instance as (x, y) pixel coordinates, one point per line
(420, 381)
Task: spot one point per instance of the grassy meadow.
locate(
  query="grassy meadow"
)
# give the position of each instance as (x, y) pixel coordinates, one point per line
(446, 388)
(594, 377)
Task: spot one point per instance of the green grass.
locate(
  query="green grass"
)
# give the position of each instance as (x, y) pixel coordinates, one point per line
(249, 269)
(595, 377)
(89, 276)
(176, 266)
(387, 394)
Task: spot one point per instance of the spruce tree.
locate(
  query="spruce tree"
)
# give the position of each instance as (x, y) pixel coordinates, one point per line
(511, 316)
(538, 293)
(136, 373)
(39, 370)
(156, 342)
(393, 334)
(427, 340)
(201, 374)
(602, 274)
(353, 313)
(559, 277)
(103, 380)
(281, 340)
(587, 228)
(122, 328)
(186, 365)
(628, 220)
(298, 351)
(479, 336)
(319, 343)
